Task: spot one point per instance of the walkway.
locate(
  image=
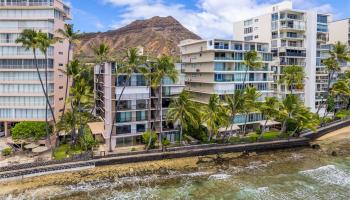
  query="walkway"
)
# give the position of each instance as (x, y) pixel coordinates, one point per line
(261, 146)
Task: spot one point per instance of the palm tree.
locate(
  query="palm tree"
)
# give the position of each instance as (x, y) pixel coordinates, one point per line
(340, 52)
(102, 52)
(132, 63)
(44, 43)
(293, 76)
(289, 107)
(305, 119)
(184, 111)
(72, 37)
(81, 99)
(251, 103)
(252, 61)
(30, 40)
(214, 115)
(270, 110)
(163, 67)
(235, 104)
(332, 66)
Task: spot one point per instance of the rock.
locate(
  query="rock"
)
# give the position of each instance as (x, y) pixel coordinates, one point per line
(334, 153)
(253, 154)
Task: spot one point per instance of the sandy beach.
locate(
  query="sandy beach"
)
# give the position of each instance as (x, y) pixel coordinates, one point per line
(337, 135)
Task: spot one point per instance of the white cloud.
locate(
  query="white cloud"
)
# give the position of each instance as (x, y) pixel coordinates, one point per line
(210, 18)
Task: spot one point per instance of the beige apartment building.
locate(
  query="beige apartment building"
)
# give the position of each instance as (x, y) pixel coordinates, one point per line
(216, 67)
(21, 95)
(339, 31)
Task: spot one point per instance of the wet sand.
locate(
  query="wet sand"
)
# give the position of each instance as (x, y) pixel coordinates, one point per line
(337, 135)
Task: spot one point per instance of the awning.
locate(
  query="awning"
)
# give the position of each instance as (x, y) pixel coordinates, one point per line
(97, 128)
(40, 149)
(31, 146)
(269, 123)
(230, 128)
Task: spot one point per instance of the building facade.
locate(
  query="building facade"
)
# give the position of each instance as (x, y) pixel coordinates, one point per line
(339, 31)
(296, 37)
(216, 67)
(21, 95)
(137, 100)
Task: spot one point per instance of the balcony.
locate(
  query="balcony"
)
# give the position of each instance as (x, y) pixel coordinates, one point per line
(293, 27)
(292, 54)
(292, 36)
(302, 64)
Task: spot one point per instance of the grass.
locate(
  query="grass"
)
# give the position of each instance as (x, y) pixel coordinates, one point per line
(271, 135)
(65, 151)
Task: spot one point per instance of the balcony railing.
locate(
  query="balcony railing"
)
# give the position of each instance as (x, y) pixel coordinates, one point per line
(295, 27)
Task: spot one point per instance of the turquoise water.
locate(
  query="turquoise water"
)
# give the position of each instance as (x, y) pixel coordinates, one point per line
(290, 174)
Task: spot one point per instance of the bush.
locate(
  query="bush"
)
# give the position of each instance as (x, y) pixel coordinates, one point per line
(271, 135)
(30, 130)
(165, 142)
(65, 151)
(199, 133)
(87, 141)
(6, 152)
(146, 136)
(291, 125)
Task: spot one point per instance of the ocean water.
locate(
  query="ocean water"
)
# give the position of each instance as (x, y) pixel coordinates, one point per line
(305, 174)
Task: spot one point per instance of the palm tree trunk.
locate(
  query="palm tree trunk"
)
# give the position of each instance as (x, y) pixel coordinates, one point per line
(115, 115)
(245, 123)
(42, 85)
(46, 106)
(67, 81)
(181, 132)
(73, 135)
(245, 76)
(149, 116)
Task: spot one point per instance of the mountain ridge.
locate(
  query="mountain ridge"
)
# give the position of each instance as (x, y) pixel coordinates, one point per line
(157, 35)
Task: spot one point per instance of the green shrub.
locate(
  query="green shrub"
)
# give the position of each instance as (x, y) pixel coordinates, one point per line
(165, 142)
(258, 131)
(133, 149)
(30, 130)
(146, 136)
(291, 125)
(271, 135)
(87, 141)
(199, 133)
(6, 152)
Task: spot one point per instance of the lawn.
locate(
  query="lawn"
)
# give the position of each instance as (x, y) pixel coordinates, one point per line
(65, 151)
(271, 135)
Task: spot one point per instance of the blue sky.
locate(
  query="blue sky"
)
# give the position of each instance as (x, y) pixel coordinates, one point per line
(207, 18)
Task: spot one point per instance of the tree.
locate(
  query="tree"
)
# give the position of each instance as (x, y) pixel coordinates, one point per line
(132, 63)
(250, 104)
(340, 52)
(29, 130)
(332, 66)
(184, 111)
(270, 110)
(71, 36)
(289, 107)
(44, 43)
(30, 40)
(305, 119)
(252, 61)
(161, 68)
(102, 52)
(293, 76)
(235, 104)
(214, 116)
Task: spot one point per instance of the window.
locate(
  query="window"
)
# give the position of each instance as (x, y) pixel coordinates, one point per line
(124, 129)
(248, 22)
(256, 20)
(141, 115)
(123, 117)
(248, 30)
(248, 38)
(274, 16)
(256, 37)
(61, 65)
(61, 99)
(322, 19)
(60, 53)
(61, 87)
(140, 128)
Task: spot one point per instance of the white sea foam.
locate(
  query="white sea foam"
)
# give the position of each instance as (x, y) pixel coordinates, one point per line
(219, 176)
(329, 174)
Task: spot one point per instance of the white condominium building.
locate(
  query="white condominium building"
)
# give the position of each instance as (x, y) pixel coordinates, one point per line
(21, 95)
(296, 37)
(216, 67)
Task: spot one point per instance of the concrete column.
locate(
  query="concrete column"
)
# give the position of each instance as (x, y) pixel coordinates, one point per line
(7, 132)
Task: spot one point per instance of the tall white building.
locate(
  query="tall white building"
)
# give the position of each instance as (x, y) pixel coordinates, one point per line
(21, 95)
(296, 37)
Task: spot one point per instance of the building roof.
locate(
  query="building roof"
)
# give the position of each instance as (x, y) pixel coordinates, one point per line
(97, 128)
